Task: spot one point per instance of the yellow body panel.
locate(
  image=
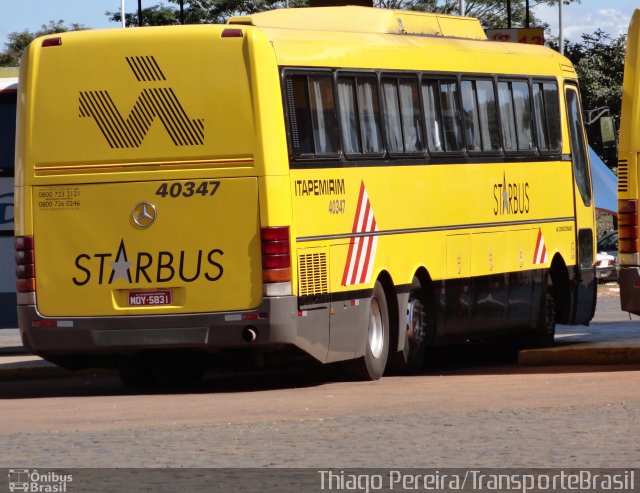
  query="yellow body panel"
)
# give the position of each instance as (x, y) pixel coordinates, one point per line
(203, 247)
(437, 209)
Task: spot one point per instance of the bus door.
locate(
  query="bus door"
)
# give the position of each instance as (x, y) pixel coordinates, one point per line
(585, 287)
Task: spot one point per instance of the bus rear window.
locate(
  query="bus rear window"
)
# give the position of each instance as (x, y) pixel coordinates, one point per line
(312, 116)
(7, 132)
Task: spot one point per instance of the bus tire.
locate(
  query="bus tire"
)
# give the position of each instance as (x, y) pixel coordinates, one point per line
(371, 366)
(546, 327)
(418, 333)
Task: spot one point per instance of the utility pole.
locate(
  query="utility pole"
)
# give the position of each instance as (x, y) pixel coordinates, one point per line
(122, 13)
(561, 36)
(139, 13)
(461, 7)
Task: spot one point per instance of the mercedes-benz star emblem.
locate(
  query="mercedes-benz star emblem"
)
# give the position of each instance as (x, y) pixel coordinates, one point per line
(144, 214)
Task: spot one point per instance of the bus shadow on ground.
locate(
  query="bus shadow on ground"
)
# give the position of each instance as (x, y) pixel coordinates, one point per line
(468, 359)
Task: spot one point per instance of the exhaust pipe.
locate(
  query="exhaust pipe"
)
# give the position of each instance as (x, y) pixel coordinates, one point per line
(249, 334)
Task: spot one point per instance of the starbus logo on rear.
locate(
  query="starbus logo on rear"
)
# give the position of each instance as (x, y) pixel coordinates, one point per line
(147, 266)
(155, 101)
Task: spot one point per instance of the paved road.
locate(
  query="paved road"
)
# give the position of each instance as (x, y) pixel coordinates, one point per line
(470, 408)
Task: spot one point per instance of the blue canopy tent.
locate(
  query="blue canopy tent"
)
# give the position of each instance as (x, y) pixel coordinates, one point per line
(605, 185)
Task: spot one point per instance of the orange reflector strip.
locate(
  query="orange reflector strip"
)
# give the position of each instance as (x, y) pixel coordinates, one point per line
(276, 275)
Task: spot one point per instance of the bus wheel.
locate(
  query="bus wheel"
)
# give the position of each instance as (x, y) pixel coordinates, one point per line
(136, 373)
(371, 366)
(418, 325)
(546, 327)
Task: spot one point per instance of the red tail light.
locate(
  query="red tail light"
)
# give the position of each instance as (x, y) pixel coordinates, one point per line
(231, 33)
(25, 264)
(276, 254)
(628, 226)
(51, 42)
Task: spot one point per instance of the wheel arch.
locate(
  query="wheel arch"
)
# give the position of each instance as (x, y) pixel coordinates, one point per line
(391, 294)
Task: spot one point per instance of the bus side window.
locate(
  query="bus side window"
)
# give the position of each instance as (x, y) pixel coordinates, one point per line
(480, 115)
(507, 117)
(452, 125)
(392, 123)
(547, 116)
(348, 115)
(369, 107)
(312, 115)
(359, 111)
(552, 107)
(578, 146)
(522, 106)
(403, 120)
(515, 116)
(411, 116)
(432, 115)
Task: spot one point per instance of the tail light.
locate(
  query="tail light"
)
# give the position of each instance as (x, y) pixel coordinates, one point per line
(628, 226)
(276, 254)
(51, 42)
(232, 33)
(25, 264)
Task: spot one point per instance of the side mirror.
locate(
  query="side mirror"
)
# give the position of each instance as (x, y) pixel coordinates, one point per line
(608, 131)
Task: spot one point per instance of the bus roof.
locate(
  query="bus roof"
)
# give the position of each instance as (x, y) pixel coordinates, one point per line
(365, 37)
(365, 20)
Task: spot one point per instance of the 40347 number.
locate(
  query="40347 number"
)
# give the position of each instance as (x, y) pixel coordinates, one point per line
(188, 189)
(337, 206)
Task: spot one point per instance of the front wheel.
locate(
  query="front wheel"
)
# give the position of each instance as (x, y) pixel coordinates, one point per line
(371, 366)
(546, 327)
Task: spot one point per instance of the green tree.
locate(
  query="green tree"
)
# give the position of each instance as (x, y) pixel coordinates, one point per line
(19, 40)
(492, 13)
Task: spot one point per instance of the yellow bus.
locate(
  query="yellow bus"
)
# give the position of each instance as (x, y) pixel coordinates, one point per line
(348, 184)
(628, 191)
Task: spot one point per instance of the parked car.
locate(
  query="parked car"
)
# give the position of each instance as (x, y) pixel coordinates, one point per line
(607, 257)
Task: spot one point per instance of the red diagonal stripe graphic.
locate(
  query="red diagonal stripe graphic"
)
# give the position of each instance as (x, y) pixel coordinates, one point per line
(353, 230)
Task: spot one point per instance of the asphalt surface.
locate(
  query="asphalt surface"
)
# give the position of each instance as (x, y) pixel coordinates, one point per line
(613, 338)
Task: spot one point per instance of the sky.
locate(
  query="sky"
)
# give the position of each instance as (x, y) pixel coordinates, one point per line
(17, 15)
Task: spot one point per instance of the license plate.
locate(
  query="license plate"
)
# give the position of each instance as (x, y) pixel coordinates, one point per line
(150, 298)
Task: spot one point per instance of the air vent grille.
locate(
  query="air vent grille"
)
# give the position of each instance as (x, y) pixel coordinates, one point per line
(312, 273)
(623, 175)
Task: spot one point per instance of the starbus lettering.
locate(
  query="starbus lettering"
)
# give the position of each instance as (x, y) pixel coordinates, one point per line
(510, 198)
(151, 267)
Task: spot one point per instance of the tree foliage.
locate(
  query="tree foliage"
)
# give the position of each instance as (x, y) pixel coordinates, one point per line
(19, 40)
(492, 13)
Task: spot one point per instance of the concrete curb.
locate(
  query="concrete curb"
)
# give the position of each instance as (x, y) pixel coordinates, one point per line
(580, 355)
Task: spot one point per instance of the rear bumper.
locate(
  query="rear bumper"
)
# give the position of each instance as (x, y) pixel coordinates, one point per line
(629, 279)
(274, 321)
